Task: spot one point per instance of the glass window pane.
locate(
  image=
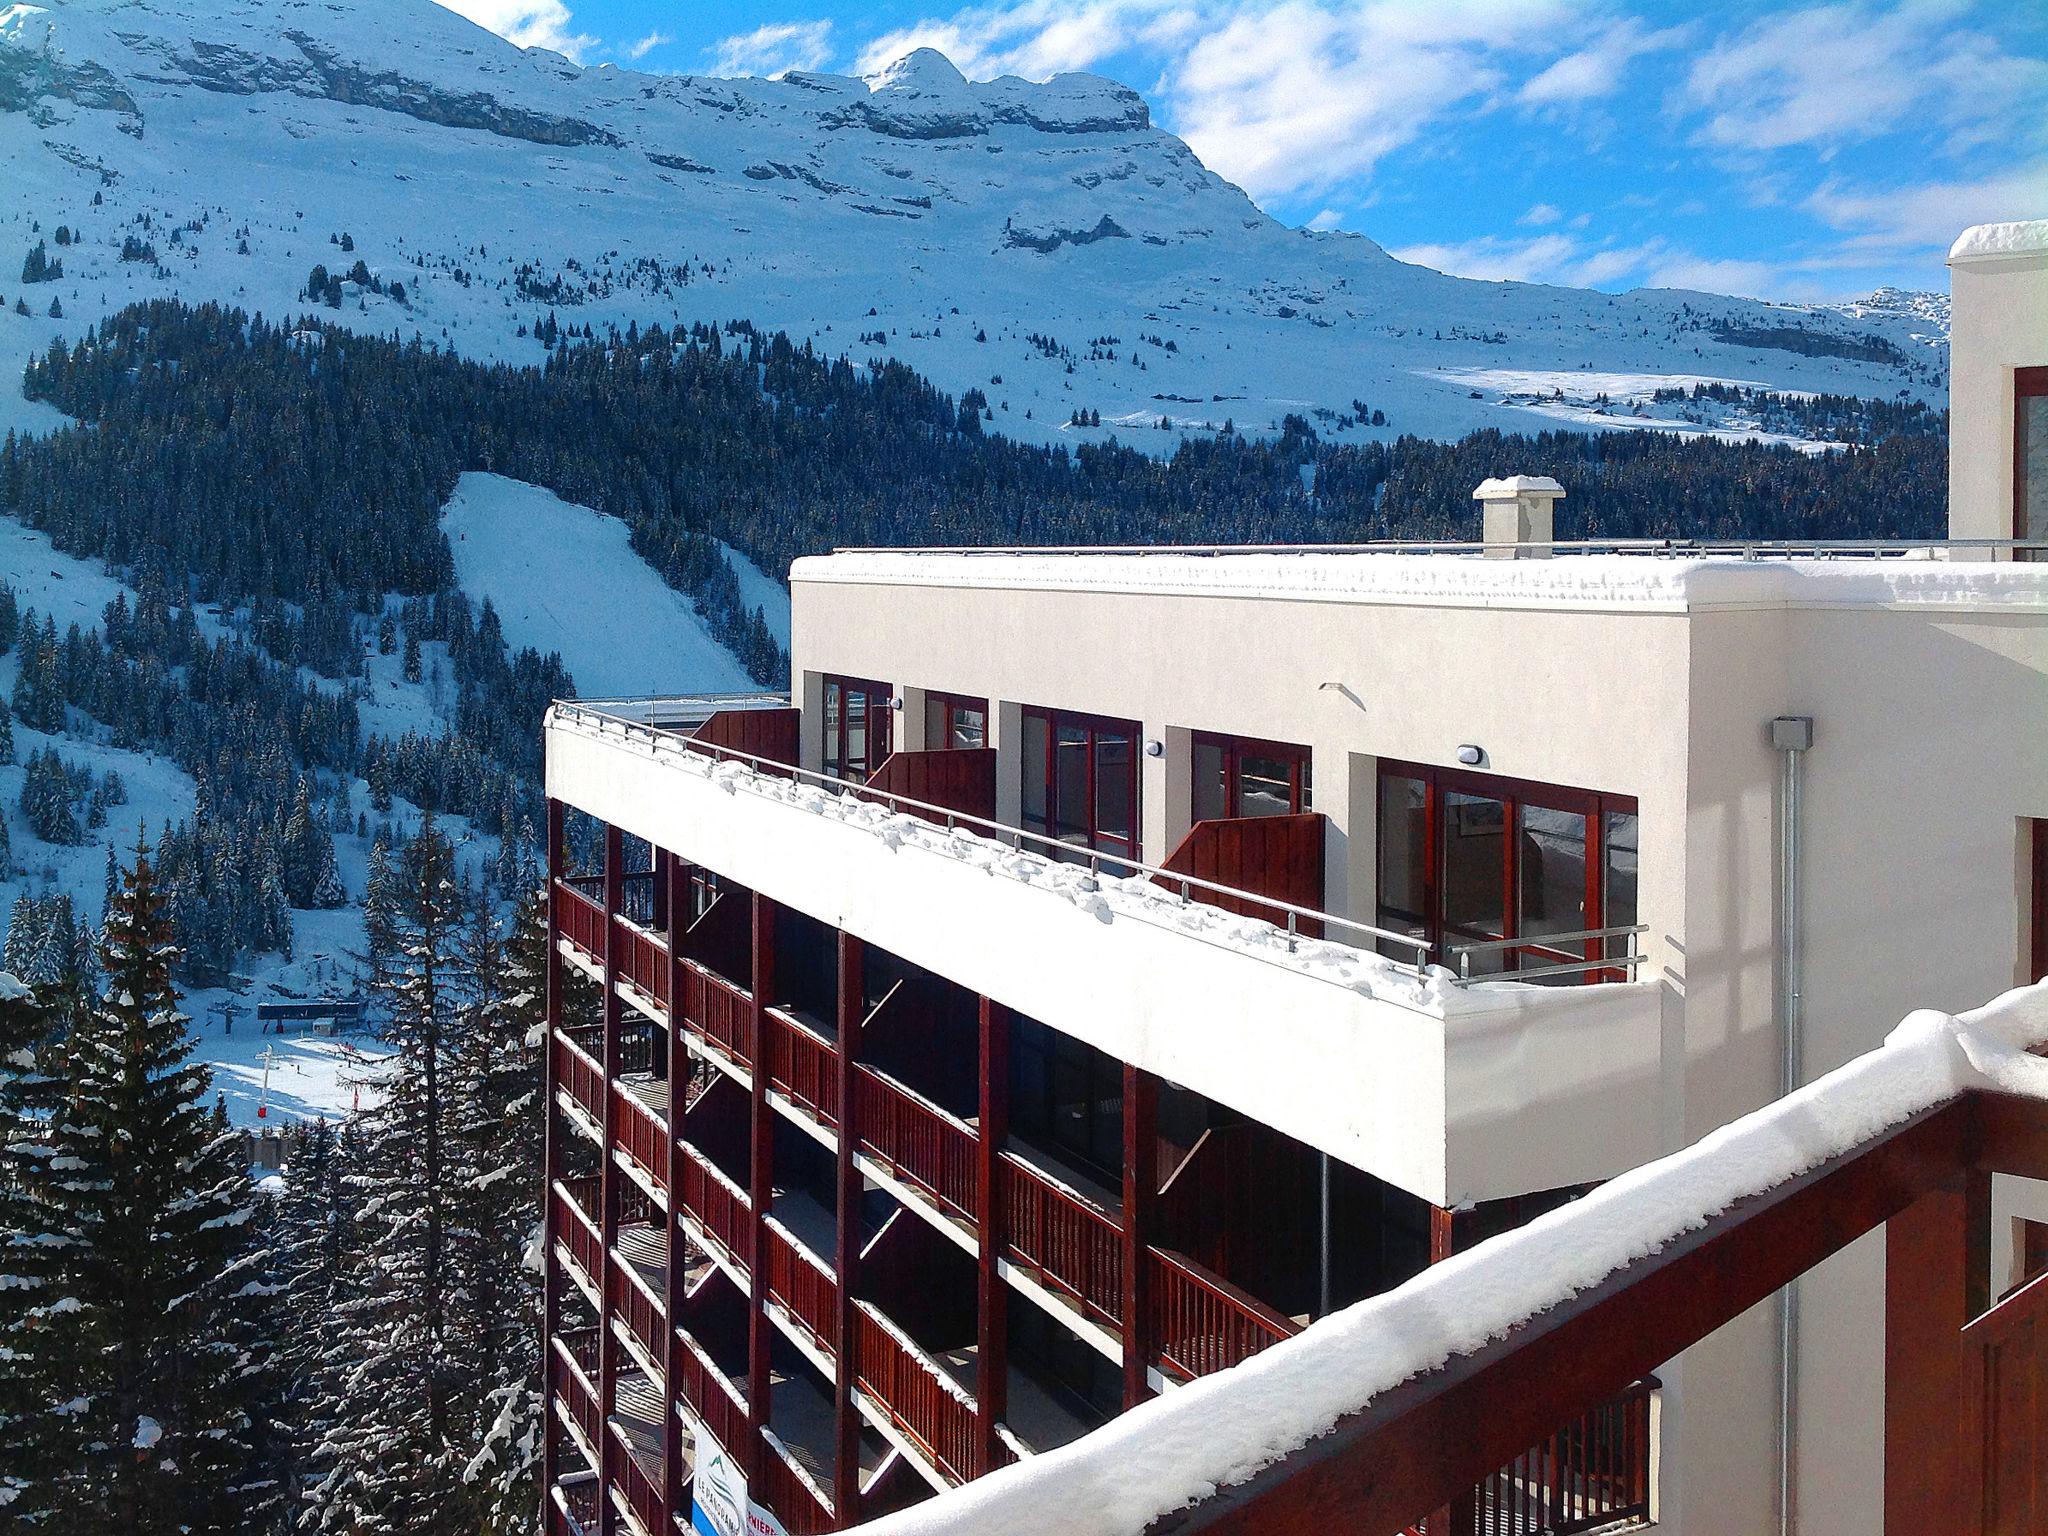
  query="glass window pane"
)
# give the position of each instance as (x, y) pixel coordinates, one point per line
(2032, 503)
(970, 727)
(1403, 853)
(1209, 801)
(832, 709)
(856, 733)
(1550, 869)
(1034, 773)
(934, 722)
(1265, 785)
(1474, 874)
(1308, 787)
(1116, 801)
(1070, 784)
(1620, 836)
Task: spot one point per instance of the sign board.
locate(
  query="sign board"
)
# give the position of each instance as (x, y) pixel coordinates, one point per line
(721, 1506)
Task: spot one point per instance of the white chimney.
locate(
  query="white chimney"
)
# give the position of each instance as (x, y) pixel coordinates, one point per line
(1516, 520)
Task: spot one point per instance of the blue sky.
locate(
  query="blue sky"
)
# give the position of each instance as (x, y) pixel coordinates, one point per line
(1779, 151)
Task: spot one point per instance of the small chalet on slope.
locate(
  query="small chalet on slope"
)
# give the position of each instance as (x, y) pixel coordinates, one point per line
(1108, 963)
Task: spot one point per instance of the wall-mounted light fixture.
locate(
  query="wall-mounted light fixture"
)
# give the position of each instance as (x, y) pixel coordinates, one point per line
(1470, 755)
(1155, 748)
(896, 701)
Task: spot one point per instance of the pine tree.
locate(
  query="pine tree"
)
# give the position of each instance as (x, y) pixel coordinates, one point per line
(396, 1460)
(317, 1252)
(31, 1253)
(155, 1363)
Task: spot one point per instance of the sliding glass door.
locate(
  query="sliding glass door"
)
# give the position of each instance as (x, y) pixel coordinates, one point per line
(858, 720)
(1081, 780)
(1234, 776)
(1498, 875)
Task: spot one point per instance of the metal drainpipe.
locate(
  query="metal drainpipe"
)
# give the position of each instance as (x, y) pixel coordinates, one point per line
(1791, 735)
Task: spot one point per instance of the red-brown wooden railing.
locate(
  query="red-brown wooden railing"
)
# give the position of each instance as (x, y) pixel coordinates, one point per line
(1276, 856)
(582, 920)
(576, 1232)
(570, 1378)
(574, 1507)
(643, 960)
(642, 1135)
(803, 1065)
(1204, 1322)
(1592, 1473)
(581, 1074)
(1069, 1244)
(956, 779)
(796, 1504)
(916, 1140)
(719, 1011)
(643, 1492)
(712, 1397)
(932, 1412)
(802, 1288)
(641, 1310)
(716, 1204)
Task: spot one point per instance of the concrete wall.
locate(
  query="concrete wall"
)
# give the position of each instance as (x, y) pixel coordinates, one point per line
(1999, 322)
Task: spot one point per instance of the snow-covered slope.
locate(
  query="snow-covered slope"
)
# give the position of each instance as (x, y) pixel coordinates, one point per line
(564, 578)
(1046, 243)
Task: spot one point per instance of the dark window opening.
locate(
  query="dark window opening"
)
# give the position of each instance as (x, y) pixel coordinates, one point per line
(1068, 1098)
(2030, 458)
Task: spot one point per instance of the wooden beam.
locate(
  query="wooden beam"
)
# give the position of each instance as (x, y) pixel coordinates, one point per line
(992, 1354)
(1412, 1448)
(1937, 1264)
(760, 1192)
(1141, 1199)
(846, 1193)
(610, 1175)
(670, 890)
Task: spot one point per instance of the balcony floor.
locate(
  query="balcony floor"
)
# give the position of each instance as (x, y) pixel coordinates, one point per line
(1034, 1415)
(802, 1418)
(809, 1222)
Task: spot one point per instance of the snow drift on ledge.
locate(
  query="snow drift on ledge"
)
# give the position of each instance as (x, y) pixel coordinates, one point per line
(1220, 1430)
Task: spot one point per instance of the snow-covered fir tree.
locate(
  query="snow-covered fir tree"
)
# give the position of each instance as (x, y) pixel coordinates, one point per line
(31, 1255)
(152, 1357)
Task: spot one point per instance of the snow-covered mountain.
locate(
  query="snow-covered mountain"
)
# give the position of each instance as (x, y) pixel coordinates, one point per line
(1046, 243)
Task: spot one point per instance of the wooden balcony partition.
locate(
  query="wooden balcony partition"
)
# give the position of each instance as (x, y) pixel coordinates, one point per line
(771, 734)
(959, 779)
(581, 1075)
(572, 1372)
(642, 1490)
(928, 1408)
(581, 919)
(1067, 1243)
(803, 1065)
(1276, 856)
(642, 1136)
(642, 960)
(719, 1011)
(717, 1403)
(641, 1310)
(577, 1233)
(801, 1509)
(717, 1205)
(917, 1141)
(1204, 1323)
(804, 1289)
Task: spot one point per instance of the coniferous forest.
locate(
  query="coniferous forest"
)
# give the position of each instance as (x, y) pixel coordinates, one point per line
(357, 1349)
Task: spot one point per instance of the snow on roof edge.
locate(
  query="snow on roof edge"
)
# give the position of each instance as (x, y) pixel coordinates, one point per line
(2013, 237)
(1219, 1431)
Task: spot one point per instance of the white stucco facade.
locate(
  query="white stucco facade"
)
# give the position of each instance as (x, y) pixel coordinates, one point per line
(1998, 277)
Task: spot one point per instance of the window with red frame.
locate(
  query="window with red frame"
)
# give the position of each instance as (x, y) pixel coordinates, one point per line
(857, 727)
(1236, 776)
(1081, 780)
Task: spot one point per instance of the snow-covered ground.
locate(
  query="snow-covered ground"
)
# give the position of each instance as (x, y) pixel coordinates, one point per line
(565, 578)
(1045, 243)
(1573, 397)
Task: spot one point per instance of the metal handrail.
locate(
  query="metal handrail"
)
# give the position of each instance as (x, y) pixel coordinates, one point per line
(1552, 939)
(1628, 961)
(1748, 549)
(1016, 837)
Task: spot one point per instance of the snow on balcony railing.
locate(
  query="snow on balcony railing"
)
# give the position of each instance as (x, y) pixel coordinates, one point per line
(1182, 1448)
(1092, 881)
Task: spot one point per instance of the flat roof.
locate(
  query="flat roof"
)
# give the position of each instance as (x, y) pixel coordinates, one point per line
(1675, 582)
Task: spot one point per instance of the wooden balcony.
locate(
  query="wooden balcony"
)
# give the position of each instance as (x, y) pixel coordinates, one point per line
(581, 918)
(770, 735)
(719, 1011)
(920, 1400)
(1276, 856)
(1591, 1475)
(572, 1511)
(581, 1076)
(917, 1141)
(804, 1289)
(572, 1380)
(1203, 1322)
(639, 1308)
(638, 1460)
(717, 1206)
(802, 1510)
(802, 1065)
(719, 1405)
(642, 960)
(576, 1232)
(1069, 1245)
(961, 779)
(642, 1135)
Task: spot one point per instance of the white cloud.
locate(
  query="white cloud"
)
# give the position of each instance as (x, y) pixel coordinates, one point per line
(648, 44)
(1747, 279)
(1838, 74)
(1329, 218)
(773, 50)
(1037, 38)
(528, 24)
(1540, 214)
(1595, 71)
(1551, 258)
(1927, 216)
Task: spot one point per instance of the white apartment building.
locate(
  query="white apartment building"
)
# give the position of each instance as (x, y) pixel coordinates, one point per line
(1448, 884)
